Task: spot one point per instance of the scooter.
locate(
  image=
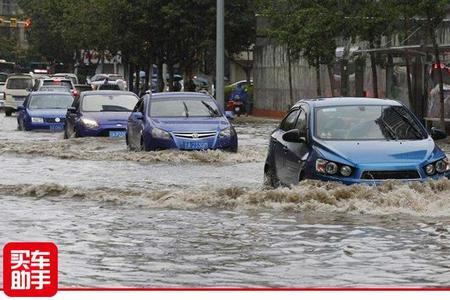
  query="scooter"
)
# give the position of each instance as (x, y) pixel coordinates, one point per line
(236, 106)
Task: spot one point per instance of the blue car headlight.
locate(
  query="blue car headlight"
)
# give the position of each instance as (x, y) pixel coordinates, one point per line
(439, 166)
(89, 123)
(160, 134)
(224, 133)
(37, 120)
(331, 168)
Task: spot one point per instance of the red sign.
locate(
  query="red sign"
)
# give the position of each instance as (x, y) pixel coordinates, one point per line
(30, 269)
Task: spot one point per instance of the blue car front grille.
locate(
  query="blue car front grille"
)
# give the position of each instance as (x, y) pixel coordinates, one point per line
(52, 120)
(380, 175)
(195, 135)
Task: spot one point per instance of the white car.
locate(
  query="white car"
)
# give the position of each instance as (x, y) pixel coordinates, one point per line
(3, 77)
(70, 76)
(17, 88)
(99, 79)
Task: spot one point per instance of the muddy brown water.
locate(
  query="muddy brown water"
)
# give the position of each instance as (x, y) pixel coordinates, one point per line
(202, 218)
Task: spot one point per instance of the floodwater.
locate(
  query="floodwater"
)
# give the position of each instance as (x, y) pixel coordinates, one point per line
(196, 219)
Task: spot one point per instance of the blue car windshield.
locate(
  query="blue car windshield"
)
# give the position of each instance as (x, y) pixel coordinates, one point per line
(367, 122)
(98, 103)
(56, 101)
(184, 107)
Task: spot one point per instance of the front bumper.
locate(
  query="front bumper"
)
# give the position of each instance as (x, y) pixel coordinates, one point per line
(352, 180)
(101, 130)
(211, 143)
(45, 126)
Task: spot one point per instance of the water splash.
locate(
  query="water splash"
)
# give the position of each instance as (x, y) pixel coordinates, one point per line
(422, 199)
(113, 150)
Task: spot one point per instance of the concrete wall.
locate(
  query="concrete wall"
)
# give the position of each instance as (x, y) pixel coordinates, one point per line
(271, 79)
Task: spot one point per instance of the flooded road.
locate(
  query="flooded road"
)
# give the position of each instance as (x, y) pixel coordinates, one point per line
(191, 219)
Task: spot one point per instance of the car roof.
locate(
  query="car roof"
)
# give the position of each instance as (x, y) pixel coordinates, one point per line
(48, 93)
(57, 79)
(21, 75)
(343, 101)
(63, 74)
(107, 92)
(178, 95)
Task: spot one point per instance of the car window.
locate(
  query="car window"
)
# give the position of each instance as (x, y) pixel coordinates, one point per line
(301, 122)
(19, 83)
(184, 107)
(141, 107)
(138, 105)
(367, 122)
(109, 87)
(98, 103)
(76, 102)
(66, 83)
(54, 88)
(289, 122)
(50, 101)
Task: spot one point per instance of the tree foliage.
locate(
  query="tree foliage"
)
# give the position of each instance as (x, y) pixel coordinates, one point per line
(176, 32)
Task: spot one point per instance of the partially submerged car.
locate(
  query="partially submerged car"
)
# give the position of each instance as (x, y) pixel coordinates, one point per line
(44, 111)
(353, 140)
(100, 113)
(181, 120)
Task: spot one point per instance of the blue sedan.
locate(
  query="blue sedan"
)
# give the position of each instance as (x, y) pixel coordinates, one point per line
(44, 110)
(353, 140)
(100, 113)
(185, 121)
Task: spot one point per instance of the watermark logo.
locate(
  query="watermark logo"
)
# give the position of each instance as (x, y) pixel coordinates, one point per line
(30, 269)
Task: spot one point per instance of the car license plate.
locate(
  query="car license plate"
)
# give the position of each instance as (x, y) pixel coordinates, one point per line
(236, 109)
(56, 127)
(117, 134)
(196, 145)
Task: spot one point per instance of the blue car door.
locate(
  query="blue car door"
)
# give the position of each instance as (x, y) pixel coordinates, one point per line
(296, 154)
(71, 117)
(280, 147)
(135, 125)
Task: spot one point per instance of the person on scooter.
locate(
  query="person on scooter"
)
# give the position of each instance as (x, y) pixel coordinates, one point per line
(240, 95)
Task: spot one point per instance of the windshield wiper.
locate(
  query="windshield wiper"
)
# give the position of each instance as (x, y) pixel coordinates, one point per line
(389, 129)
(186, 111)
(213, 112)
(411, 125)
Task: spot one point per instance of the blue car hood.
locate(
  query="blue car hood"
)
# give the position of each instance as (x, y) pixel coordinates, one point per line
(47, 113)
(108, 117)
(375, 152)
(190, 124)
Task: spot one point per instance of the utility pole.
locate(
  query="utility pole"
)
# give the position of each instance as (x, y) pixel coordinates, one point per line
(220, 49)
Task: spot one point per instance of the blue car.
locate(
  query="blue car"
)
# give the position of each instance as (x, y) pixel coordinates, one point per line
(100, 113)
(353, 140)
(44, 111)
(185, 121)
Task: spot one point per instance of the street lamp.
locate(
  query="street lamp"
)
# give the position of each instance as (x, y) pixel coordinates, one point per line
(220, 48)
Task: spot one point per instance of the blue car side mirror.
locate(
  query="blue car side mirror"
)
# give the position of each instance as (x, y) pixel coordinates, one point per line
(294, 136)
(138, 115)
(438, 134)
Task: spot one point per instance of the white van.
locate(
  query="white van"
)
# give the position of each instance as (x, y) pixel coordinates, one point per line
(17, 88)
